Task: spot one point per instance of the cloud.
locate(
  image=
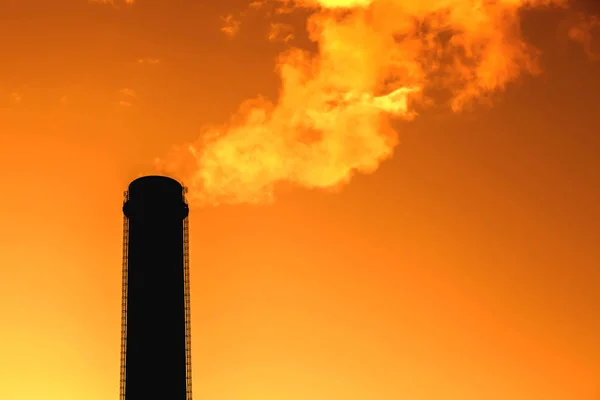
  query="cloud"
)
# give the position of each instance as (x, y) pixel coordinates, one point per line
(17, 97)
(127, 92)
(583, 31)
(149, 61)
(127, 96)
(376, 62)
(112, 2)
(231, 25)
(257, 4)
(280, 32)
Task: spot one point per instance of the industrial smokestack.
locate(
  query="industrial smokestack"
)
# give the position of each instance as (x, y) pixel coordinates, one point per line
(155, 343)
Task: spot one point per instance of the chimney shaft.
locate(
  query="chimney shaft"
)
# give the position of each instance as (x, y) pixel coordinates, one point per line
(155, 348)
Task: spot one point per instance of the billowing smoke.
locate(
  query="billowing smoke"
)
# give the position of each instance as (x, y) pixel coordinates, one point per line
(377, 61)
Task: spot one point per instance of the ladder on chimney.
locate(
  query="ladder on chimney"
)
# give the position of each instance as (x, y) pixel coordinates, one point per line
(188, 334)
(124, 301)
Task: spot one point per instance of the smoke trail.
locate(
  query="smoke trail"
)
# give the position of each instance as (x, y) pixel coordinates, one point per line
(376, 61)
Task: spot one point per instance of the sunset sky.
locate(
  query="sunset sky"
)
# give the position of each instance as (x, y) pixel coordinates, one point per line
(388, 244)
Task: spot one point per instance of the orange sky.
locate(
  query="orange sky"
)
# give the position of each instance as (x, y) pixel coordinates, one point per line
(465, 267)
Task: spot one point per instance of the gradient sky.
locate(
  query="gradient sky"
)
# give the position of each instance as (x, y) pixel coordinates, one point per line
(467, 267)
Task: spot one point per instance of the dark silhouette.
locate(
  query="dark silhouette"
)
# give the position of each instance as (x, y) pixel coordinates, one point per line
(155, 347)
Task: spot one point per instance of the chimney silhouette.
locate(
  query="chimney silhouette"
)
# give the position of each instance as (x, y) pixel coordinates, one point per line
(155, 334)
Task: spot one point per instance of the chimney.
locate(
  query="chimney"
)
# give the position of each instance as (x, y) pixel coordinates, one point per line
(155, 334)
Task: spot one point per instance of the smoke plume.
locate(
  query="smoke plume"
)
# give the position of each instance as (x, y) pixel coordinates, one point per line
(377, 60)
